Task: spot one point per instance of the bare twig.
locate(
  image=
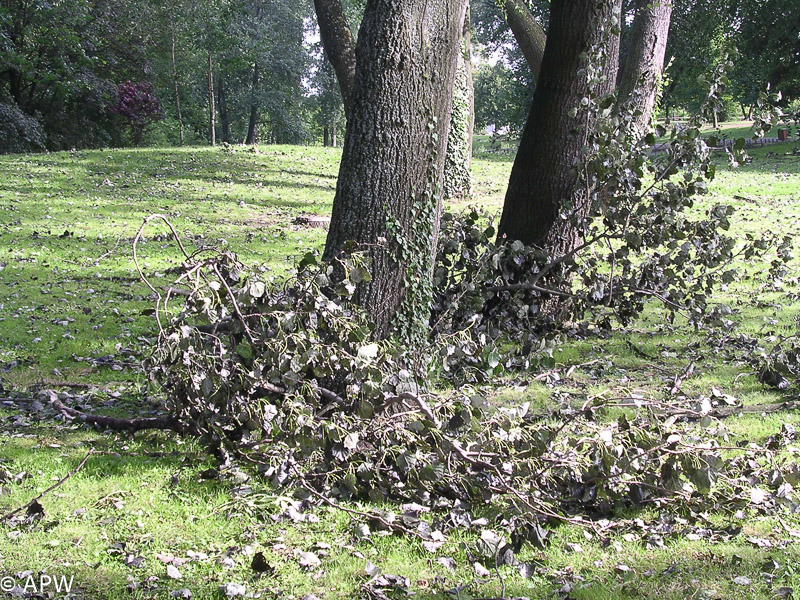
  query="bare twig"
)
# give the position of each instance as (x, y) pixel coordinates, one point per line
(351, 511)
(235, 305)
(679, 379)
(421, 404)
(97, 260)
(59, 483)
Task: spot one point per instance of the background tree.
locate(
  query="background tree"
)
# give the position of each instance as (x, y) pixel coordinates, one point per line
(699, 37)
(330, 111)
(644, 59)
(138, 106)
(503, 96)
(60, 63)
(768, 43)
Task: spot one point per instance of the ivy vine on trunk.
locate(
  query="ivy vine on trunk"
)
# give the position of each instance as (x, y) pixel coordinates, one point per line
(388, 193)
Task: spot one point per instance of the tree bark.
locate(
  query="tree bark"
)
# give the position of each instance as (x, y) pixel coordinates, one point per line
(337, 39)
(325, 139)
(612, 49)
(252, 126)
(175, 80)
(542, 181)
(457, 173)
(15, 85)
(223, 111)
(388, 192)
(211, 109)
(333, 135)
(645, 60)
(529, 34)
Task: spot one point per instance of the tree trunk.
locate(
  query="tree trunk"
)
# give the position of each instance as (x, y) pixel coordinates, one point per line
(175, 80)
(388, 192)
(612, 50)
(211, 109)
(325, 140)
(252, 126)
(333, 135)
(645, 60)
(337, 39)
(15, 85)
(457, 174)
(223, 111)
(528, 32)
(542, 182)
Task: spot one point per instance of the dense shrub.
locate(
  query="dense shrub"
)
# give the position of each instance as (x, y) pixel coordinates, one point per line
(19, 132)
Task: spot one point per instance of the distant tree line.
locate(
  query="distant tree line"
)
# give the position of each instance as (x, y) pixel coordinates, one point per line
(762, 35)
(64, 68)
(252, 70)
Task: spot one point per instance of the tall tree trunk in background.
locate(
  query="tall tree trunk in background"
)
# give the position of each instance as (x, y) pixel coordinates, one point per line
(457, 173)
(333, 135)
(645, 59)
(223, 111)
(337, 39)
(175, 79)
(612, 49)
(252, 126)
(542, 179)
(388, 192)
(528, 32)
(15, 85)
(211, 109)
(325, 140)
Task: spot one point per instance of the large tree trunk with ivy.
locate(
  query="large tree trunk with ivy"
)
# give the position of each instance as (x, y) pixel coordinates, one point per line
(388, 192)
(543, 179)
(531, 37)
(645, 58)
(457, 173)
(612, 49)
(337, 40)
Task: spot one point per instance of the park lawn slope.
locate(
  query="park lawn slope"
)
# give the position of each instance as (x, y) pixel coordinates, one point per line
(74, 320)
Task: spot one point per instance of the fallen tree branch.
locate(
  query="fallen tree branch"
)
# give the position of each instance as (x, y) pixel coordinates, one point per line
(168, 423)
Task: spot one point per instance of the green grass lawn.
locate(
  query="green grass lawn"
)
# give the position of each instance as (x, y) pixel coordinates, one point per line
(71, 317)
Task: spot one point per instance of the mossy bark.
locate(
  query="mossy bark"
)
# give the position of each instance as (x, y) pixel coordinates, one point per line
(457, 172)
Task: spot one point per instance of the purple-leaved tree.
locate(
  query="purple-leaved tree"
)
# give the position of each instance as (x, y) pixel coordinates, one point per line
(137, 104)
